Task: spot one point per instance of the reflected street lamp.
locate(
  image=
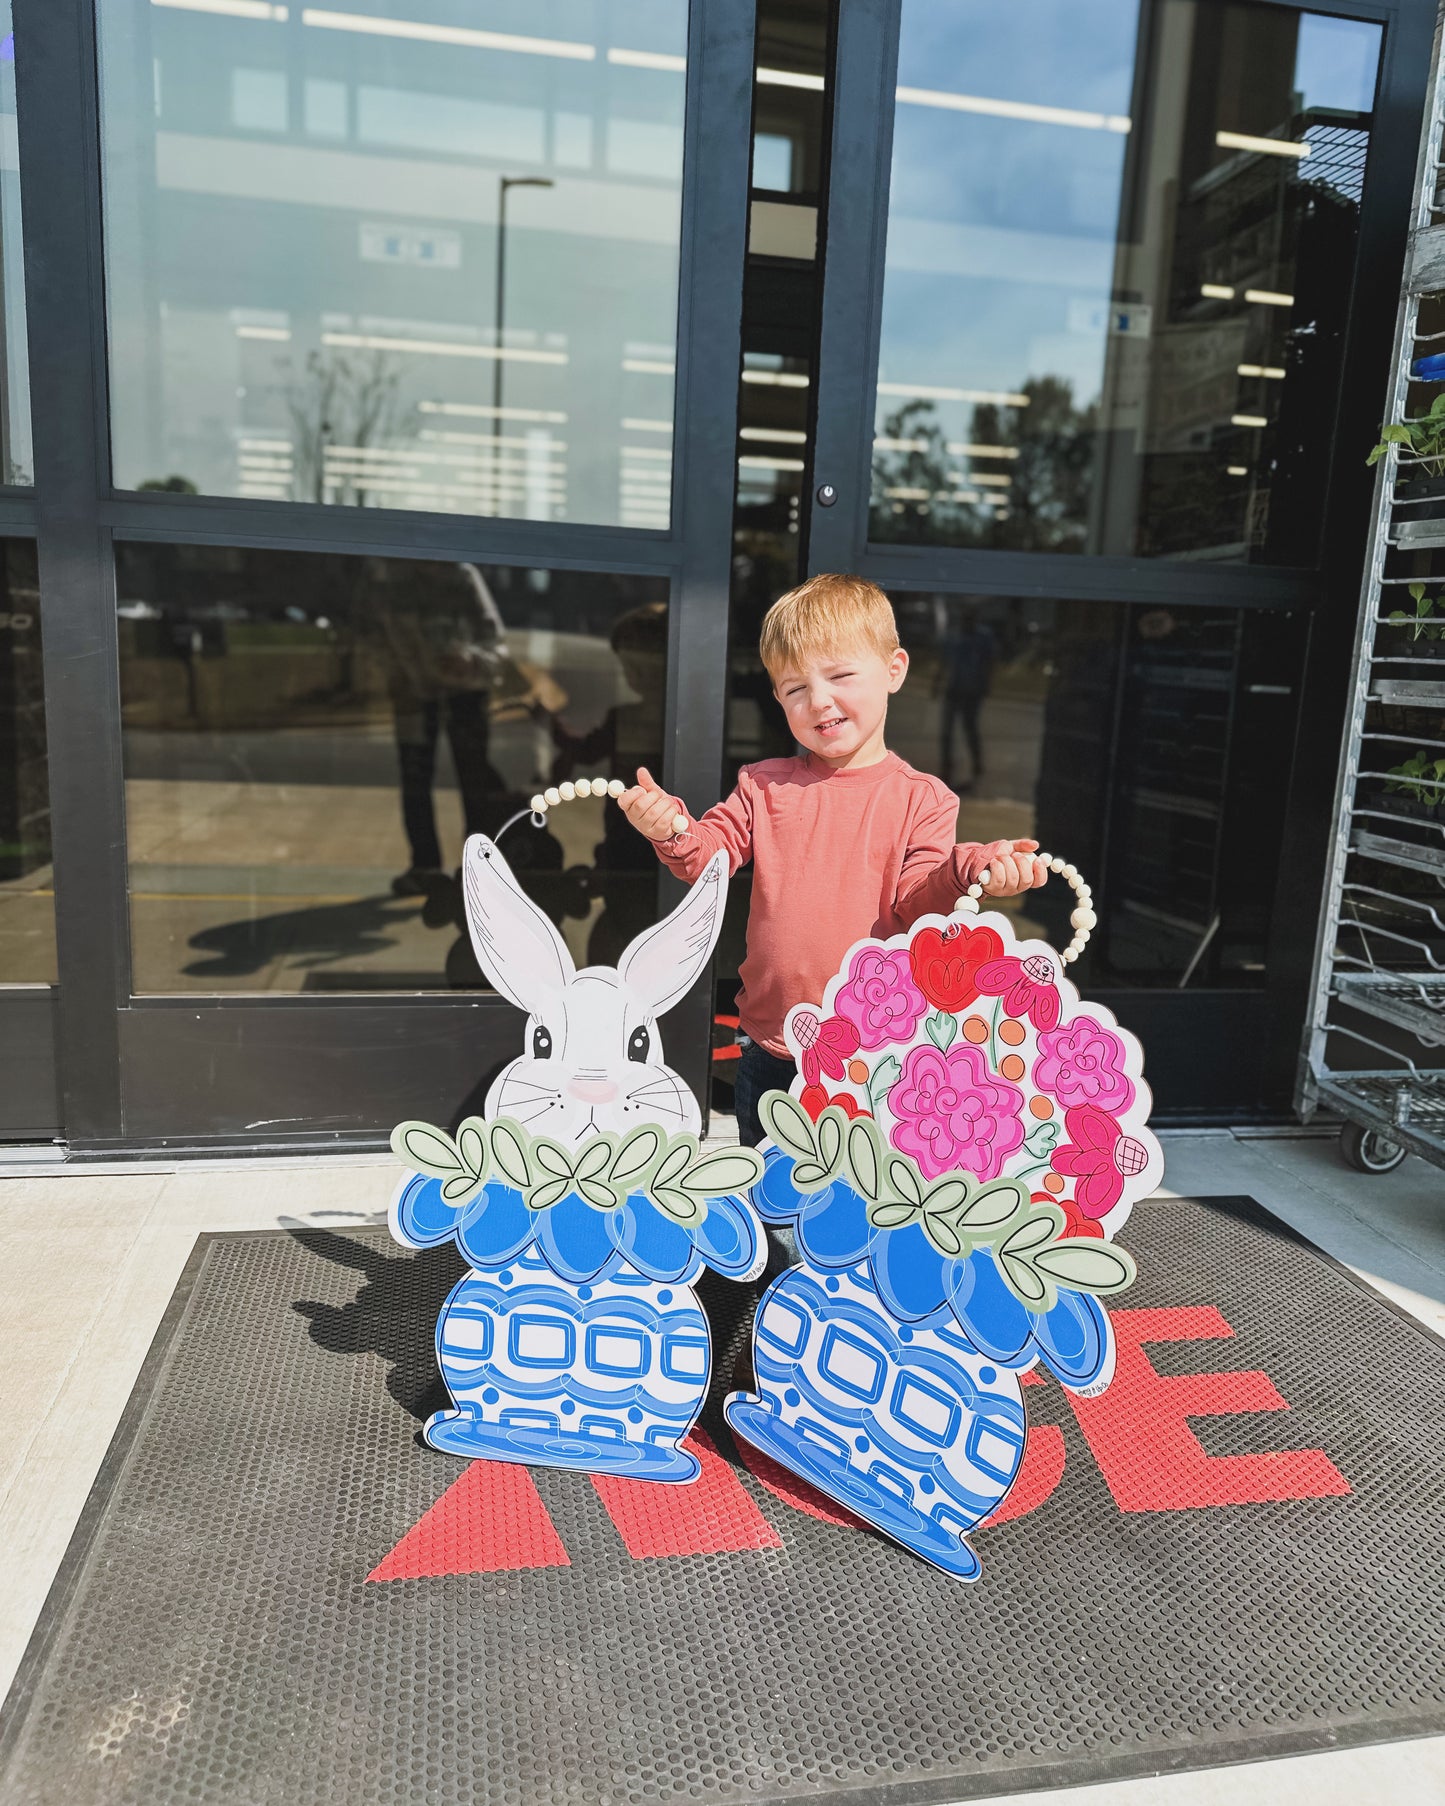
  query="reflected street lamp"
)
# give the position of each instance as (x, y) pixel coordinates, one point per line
(503, 184)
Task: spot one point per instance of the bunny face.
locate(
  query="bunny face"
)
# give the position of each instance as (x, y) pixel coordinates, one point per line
(592, 1057)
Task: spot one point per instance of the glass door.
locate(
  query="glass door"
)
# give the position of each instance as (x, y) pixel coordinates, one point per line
(417, 361)
(1101, 308)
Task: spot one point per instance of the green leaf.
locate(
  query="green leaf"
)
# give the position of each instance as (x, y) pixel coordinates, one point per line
(509, 1150)
(472, 1146)
(459, 1186)
(945, 1196)
(830, 1138)
(863, 1159)
(595, 1158)
(426, 1149)
(809, 1175)
(677, 1203)
(904, 1179)
(1043, 1140)
(722, 1172)
(942, 1234)
(891, 1214)
(1038, 1227)
(1087, 1265)
(598, 1193)
(636, 1154)
(789, 1125)
(1023, 1281)
(673, 1163)
(942, 1029)
(997, 1204)
(552, 1159)
(548, 1193)
(882, 1079)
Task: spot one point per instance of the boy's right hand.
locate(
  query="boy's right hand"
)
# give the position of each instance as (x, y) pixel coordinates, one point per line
(650, 810)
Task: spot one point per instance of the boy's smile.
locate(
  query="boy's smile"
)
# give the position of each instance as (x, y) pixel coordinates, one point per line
(837, 704)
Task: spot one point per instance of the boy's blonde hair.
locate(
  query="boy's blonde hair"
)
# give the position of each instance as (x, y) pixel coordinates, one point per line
(827, 614)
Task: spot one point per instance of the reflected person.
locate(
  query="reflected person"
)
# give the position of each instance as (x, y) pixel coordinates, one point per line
(966, 661)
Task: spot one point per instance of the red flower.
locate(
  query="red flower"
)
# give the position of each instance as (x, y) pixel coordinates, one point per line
(944, 963)
(1075, 1222)
(823, 1046)
(1026, 986)
(815, 1100)
(1091, 1157)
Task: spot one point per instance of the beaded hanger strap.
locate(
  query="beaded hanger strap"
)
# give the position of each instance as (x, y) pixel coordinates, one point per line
(1083, 920)
(584, 787)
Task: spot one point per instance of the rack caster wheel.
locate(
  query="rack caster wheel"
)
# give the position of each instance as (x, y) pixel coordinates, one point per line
(1368, 1151)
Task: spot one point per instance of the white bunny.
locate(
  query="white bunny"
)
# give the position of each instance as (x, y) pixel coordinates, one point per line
(593, 1058)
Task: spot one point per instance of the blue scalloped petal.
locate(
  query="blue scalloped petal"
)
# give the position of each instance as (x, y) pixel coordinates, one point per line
(574, 1239)
(833, 1230)
(777, 1199)
(423, 1216)
(650, 1239)
(729, 1236)
(1073, 1338)
(909, 1272)
(496, 1225)
(987, 1311)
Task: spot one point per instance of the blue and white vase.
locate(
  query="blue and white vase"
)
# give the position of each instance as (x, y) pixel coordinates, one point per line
(607, 1376)
(907, 1424)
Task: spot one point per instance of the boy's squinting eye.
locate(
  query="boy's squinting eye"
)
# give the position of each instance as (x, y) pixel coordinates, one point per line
(637, 1046)
(541, 1043)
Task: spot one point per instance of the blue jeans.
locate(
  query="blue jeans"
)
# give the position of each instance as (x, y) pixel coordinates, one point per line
(758, 1072)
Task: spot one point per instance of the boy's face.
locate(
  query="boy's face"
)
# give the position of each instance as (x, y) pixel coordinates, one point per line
(837, 703)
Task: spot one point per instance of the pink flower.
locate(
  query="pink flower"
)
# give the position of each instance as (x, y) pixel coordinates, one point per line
(951, 1112)
(823, 1046)
(1026, 986)
(1082, 1062)
(1098, 1156)
(880, 998)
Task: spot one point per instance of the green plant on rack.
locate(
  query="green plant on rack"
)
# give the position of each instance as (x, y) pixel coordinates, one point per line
(1424, 437)
(1428, 620)
(1419, 777)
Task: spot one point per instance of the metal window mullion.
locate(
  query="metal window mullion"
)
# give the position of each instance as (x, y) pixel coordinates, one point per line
(58, 126)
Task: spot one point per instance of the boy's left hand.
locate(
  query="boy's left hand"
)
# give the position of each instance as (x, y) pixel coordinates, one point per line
(1013, 870)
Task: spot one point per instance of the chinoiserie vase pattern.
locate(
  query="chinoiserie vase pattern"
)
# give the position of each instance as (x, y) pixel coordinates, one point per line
(963, 1141)
(909, 1425)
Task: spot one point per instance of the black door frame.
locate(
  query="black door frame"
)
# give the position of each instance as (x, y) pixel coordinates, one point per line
(297, 1071)
(1225, 1025)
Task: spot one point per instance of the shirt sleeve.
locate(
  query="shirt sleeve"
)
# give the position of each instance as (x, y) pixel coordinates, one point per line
(727, 825)
(936, 869)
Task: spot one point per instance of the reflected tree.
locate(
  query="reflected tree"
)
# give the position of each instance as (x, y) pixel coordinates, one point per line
(346, 403)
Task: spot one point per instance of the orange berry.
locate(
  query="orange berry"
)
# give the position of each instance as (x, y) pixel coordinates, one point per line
(975, 1029)
(1052, 1182)
(1011, 1066)
(1042, 1107)
(858, 1071)
(1011, 1031)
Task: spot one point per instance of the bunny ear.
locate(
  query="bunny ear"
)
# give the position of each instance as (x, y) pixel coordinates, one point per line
(661, 965)
(515, 944)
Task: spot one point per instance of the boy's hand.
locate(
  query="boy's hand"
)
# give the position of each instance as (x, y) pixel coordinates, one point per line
(1015, 870)
(650, 810)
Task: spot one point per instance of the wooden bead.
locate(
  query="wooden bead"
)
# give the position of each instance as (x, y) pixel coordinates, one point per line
(568, 791)
(1083, 918)
(539, 804)
(584, 786)
(1056, 864)
(679, 824)
(553, 795)
(616, 787)
(975, 891)
(1069, 955)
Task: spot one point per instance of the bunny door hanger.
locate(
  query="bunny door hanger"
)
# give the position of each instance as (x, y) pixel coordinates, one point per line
(963, 1140)
(581, 1201)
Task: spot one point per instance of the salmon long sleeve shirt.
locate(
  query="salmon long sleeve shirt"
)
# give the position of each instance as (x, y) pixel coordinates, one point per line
(836, 856)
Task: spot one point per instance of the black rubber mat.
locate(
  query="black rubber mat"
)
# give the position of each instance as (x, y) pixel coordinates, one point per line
(214, 1636)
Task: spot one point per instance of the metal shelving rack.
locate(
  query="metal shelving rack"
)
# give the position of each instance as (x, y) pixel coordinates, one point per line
(1375, 1049)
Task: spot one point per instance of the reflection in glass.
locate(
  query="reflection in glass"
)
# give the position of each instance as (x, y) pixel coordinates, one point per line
(16, 463)
(27, 893)
(1120, 250)
(308, 739)
(1144, 744)
(384, 257)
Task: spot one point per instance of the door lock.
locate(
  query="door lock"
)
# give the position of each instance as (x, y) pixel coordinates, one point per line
(827, 495)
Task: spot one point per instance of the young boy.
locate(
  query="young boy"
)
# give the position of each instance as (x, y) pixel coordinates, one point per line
(846, 839)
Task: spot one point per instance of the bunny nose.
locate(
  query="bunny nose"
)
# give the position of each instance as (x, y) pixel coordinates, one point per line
(592, 1091)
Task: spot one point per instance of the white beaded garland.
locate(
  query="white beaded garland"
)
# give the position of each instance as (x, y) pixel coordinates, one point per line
(1083, 920)
(588, 787)
(568, 791)
(615, 787)
(553, 795)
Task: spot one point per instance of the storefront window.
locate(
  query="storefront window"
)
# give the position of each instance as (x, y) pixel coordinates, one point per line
(398, 255)
(16, 460)
(1120, 250)
(27, 889)
(309, 738)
